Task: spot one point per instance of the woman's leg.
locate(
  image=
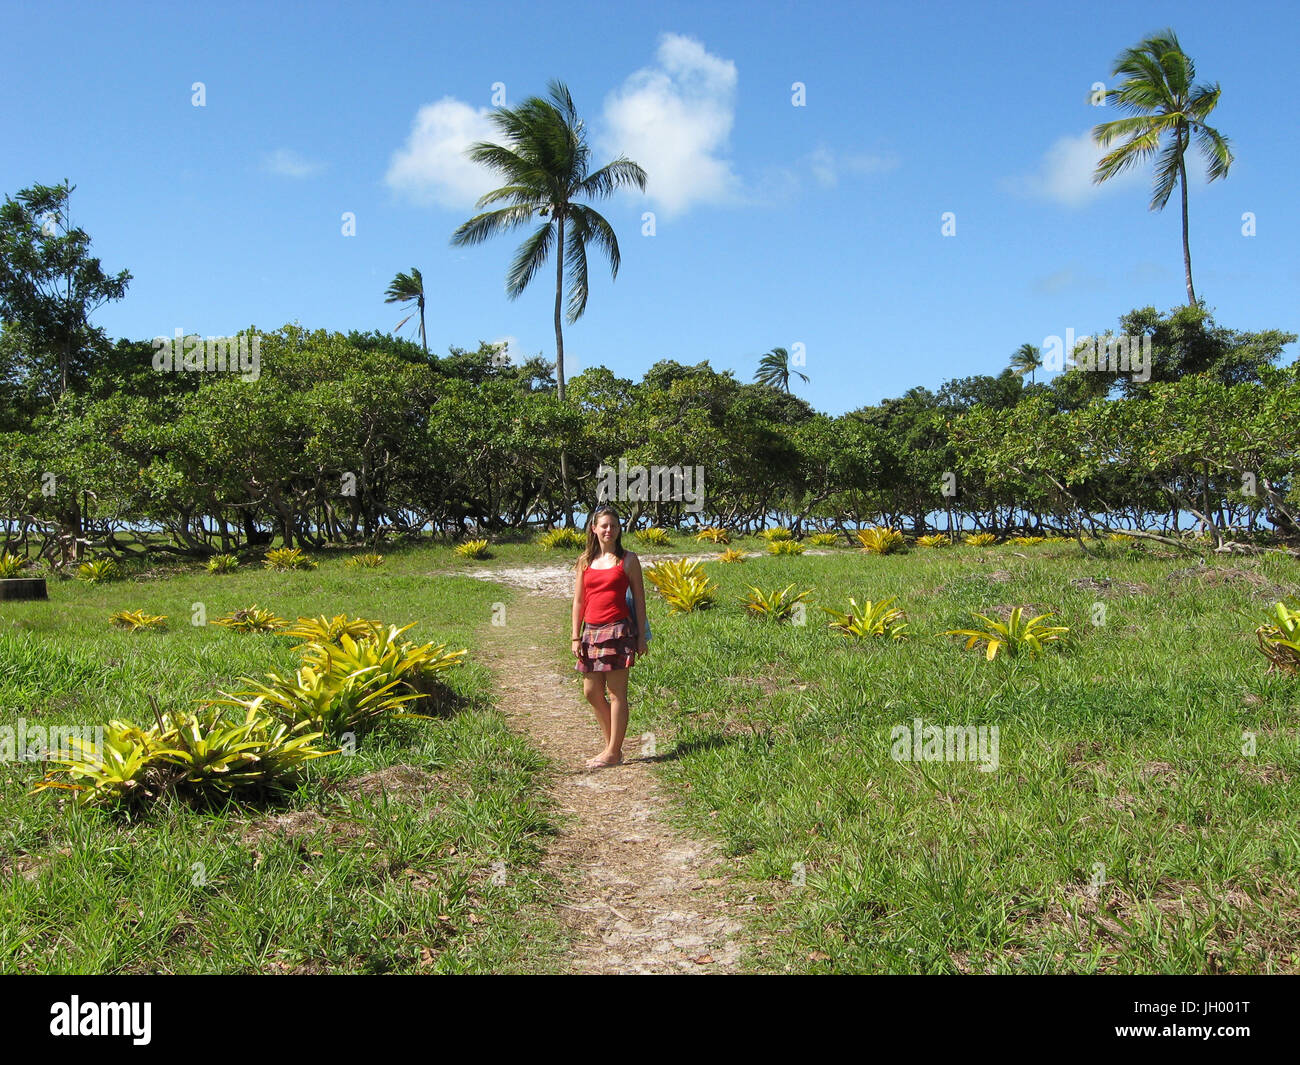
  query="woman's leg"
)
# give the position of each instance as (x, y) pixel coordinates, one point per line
(617, 681)
(593, 687)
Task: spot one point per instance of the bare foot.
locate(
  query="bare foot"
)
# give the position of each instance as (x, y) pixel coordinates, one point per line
(602, 762)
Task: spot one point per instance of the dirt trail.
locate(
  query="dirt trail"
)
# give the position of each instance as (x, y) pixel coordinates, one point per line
(638, 895)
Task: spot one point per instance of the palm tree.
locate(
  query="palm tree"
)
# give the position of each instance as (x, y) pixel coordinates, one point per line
(774, 370)
(407, 287)
(1026, 360)
(1159, 95)
(545, 166)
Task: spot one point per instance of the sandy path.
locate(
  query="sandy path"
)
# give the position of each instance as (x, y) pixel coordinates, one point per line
(638, 895)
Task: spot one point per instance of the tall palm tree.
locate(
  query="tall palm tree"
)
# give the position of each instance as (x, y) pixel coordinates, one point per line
(407, 287)
(774, 370)
(1026, 360)
(1159, 95)
(545, 166)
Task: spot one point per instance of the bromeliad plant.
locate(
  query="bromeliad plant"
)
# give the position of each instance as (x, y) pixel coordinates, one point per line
(1027, 541)
(1015, 634)
(373, 560)
(774, 606)
(11, 565)
(682, 584)
(1280, 643)
(779, 533)
(982, 539)
(202, 755)
(287, 558)
(348, 682)
(251, 619)
(472, 549)
(562, 538)
(121, 767)
(654, 537)
(880, 620)
(385, 658)
(732, 555)
(103, 569)
(331, 702)
(824, 539)
(329, 630)
(784, 547)
(136, 620)
(218, 564)
(878, 541)
(214, 754)
(711, 534)
(935, 540)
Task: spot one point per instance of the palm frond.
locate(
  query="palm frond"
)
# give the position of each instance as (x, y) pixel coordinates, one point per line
(529, 259)
(622, 171)
(575, 254)
(490, 223)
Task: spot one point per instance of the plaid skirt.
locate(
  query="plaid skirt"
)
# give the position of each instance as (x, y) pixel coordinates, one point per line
(607, 647)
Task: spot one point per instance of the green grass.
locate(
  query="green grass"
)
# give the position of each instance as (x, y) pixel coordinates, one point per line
(1121, 750)
(403, 879)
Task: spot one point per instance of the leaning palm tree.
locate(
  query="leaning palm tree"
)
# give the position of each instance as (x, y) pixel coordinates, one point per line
(1159, 95)
(774, 370)
(407, 287)
(545, 166)
(1026, 360)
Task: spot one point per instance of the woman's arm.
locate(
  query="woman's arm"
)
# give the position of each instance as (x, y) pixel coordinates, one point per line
(632, 567)
(576, 630)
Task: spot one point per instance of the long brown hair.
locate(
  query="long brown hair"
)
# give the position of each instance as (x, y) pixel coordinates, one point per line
(592, 550)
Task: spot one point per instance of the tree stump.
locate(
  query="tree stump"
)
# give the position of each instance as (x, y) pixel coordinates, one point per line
(16, 588)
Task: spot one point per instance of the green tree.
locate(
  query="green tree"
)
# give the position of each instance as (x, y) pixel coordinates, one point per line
(50, 284)
(774, 370)
(1165, 107)
(404, 289)
(1026, 360)
(545, 163)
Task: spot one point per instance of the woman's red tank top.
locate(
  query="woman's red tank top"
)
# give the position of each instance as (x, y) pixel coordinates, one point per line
(604, 593)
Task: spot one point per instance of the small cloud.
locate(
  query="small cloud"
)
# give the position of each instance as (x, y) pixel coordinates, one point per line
(1065, 280)
(432, 168)
(1064, 174)
(285, 162)
(828, 167)
(674, 118)
(1146, 271)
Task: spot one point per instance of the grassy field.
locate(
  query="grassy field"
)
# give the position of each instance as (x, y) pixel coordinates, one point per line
(1123, 829)
(382, 861)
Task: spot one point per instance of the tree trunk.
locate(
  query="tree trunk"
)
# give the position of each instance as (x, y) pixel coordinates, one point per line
(559, 362)
(1187, 251)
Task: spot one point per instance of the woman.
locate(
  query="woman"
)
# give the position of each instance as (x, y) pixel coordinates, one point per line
(606, 638)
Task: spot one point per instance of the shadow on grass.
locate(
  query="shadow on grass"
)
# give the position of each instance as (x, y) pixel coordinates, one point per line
(692, 746)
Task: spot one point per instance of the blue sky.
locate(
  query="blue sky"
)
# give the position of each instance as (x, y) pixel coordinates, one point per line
(775, 225)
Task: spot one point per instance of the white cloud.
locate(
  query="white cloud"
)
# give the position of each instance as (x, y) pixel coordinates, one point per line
(828, 167)
(675, 118)
(432, 167)
(285, 162)
(1065, 172)
(1064, 280)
